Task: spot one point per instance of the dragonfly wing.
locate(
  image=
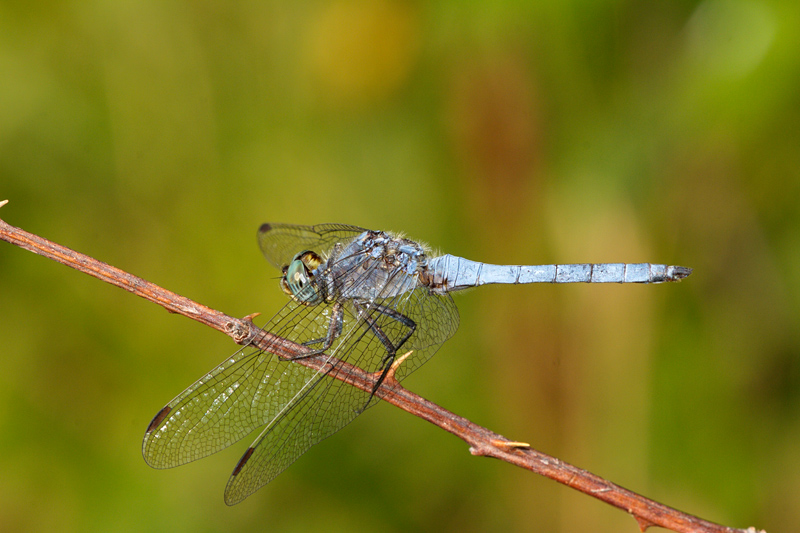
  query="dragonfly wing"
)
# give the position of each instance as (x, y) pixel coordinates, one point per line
(280, 242)
(244, 392)
(329, 404)
(321, 411)
(300, 406)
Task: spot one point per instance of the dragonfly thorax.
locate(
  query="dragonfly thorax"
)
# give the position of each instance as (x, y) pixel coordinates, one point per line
(376, 265)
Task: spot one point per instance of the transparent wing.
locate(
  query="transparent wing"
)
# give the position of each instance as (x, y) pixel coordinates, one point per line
(241, 394)
(247, 390)
(328, 404)
(301, 406)
(252, 386)
(280, 242)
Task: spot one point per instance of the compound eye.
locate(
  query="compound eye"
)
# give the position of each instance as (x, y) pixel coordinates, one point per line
(298, 280)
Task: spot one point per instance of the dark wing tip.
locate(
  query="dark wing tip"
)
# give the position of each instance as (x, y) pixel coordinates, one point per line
(265, 227)
(242, 461)
(160, 416)
(232, 495)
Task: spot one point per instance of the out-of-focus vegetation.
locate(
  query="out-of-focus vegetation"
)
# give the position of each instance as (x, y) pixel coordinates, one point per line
(157, 136)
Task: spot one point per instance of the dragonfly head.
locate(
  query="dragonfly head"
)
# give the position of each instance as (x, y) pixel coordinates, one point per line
(298, 279)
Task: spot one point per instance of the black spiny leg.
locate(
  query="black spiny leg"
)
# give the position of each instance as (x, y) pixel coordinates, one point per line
(334, 330)
(363, 309)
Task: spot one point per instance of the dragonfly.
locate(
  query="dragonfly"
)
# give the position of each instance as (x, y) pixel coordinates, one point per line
(358, 297)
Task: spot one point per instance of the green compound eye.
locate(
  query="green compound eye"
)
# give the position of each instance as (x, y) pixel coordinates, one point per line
(299, 283)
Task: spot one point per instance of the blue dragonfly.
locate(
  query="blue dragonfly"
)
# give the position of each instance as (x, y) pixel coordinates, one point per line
(356, 296)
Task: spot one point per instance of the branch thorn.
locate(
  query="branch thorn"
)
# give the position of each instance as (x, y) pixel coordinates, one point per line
(251, 316)
(509, 445)
(643, 523)
(396, 364)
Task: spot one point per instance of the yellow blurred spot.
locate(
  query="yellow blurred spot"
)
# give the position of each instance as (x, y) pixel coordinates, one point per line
(730, 37)
(361, 50)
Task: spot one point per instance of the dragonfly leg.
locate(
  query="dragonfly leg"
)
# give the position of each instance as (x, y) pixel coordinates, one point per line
(334, 330)
(391, 349)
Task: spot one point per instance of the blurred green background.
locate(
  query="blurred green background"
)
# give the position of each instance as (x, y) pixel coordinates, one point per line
(157, 136)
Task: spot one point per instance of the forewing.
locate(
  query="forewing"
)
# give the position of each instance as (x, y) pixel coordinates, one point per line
(244, 392)
(280, 242)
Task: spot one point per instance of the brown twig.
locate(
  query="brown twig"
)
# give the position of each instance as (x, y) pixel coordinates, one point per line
(481, 441)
